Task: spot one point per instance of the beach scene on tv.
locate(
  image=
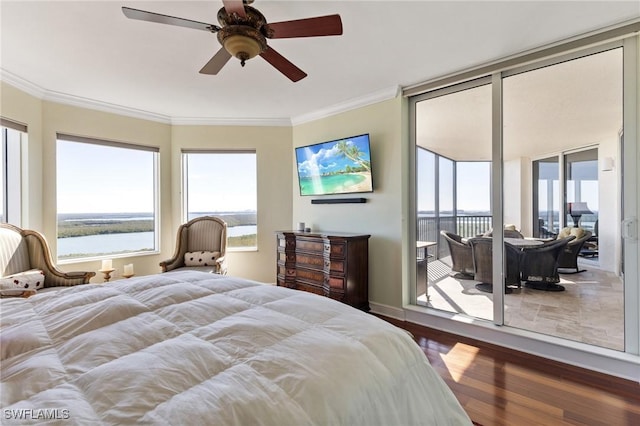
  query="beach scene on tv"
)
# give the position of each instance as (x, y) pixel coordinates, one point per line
(336, 167)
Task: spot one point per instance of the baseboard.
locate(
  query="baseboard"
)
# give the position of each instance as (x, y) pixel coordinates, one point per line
(387, 311)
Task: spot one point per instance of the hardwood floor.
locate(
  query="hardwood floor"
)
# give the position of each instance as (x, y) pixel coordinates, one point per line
(500, 386)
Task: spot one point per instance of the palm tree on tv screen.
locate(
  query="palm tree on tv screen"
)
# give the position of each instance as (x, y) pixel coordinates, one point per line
(352, 152)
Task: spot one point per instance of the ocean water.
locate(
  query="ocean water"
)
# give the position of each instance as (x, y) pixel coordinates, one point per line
(329, 184)
(94, 245)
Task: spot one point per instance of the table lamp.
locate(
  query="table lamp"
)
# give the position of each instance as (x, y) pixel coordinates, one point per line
(576, 210)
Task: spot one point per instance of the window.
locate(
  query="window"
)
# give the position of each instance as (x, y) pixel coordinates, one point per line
(223, 184)
(107, 198)
(581, 186)
(13, 135)
(546, 197)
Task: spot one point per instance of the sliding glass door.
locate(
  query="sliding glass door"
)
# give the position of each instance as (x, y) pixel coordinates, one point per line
(553, 129)
(453, 150)
(572, 108)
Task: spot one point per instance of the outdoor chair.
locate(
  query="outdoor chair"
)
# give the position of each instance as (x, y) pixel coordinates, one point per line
(507, 233)
(568, 258)
(482, 248)
(539, 265)
(201, 244)
(461, 256)
(26, 262)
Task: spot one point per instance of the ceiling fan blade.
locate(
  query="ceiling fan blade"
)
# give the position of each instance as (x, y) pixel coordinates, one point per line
(216, 63)
(143, 15)
(283, 65)
(236, 6)
(309, 27)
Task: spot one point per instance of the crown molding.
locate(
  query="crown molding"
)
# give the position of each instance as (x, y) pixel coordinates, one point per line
(77, 101)
(22, 84)
(351, 104)
(255, 122)
(80, 102)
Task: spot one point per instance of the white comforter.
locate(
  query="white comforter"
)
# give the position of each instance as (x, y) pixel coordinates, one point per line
(199, 349)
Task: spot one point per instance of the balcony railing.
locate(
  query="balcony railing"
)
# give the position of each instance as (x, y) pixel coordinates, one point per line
(428, 229)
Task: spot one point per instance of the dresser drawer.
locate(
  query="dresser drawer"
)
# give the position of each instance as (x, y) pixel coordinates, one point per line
(335, 249)
(334, 266)
(286, 272)
(286, 257)
(310, 275)
(309, 261)
(309, 246)
(335, 283)
(310, 288)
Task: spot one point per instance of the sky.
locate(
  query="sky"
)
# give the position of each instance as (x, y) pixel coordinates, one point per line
(95, 178)
(473, 184)
(222, 183)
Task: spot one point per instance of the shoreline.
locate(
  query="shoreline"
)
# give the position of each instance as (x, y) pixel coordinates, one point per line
(361, 186)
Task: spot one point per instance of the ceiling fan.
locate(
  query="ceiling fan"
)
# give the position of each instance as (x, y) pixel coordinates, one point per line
(244, 32)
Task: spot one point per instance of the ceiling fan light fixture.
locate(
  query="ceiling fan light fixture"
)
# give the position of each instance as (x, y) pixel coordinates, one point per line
(243, 33)
(242, 42)
(242, 47)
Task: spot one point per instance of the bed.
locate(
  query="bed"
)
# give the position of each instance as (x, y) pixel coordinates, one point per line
(188, 347)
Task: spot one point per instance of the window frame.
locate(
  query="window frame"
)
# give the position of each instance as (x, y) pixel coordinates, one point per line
(156, 196)
(14, 139)
(184, 153)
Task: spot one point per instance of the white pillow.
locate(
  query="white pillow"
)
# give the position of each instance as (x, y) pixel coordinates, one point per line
(201, 258)
(27, 280)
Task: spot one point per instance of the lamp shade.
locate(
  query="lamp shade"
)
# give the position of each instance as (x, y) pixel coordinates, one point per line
(579, 208)
(242, 47)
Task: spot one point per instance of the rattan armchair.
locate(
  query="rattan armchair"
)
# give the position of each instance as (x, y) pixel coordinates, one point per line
(461, 256)
(24, 250)
(568, 258)
(539, 265)
(482, 248)
(202, 234)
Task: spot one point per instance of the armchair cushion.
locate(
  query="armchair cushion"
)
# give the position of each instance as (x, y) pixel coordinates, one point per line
(32, 280)
(571, 231)
(577, 232)
(201, 258)
(564, 233)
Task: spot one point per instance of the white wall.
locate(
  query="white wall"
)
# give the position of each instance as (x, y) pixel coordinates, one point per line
(381, 215)
(609, 203)
(517, 194)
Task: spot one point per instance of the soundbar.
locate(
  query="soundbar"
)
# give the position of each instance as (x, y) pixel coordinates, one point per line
(338, 200)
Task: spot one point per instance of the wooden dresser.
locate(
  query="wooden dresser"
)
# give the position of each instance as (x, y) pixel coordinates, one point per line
(335, 265)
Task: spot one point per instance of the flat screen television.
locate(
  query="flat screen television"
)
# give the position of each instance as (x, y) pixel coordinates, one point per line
(341, 166)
